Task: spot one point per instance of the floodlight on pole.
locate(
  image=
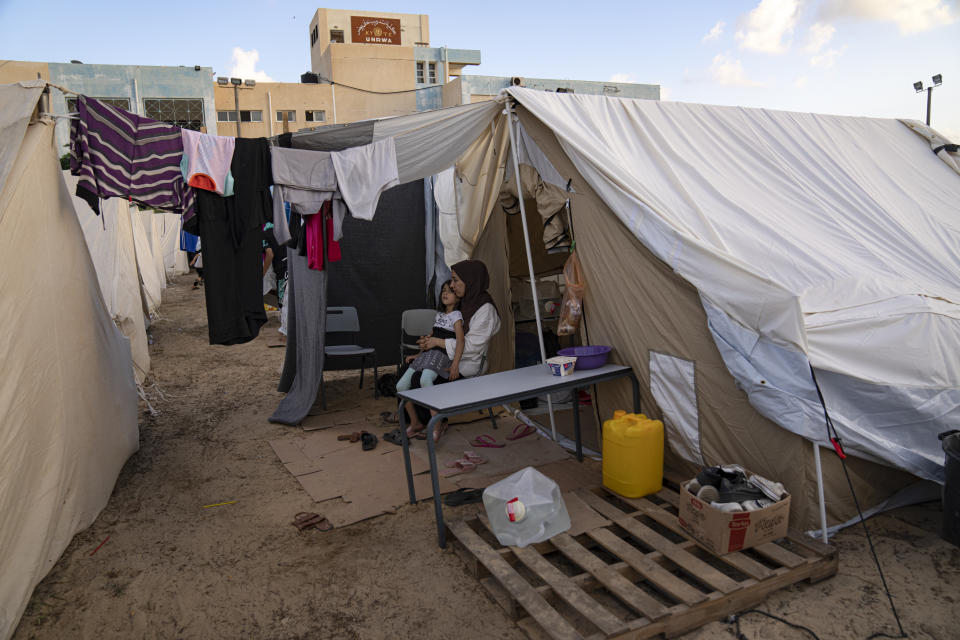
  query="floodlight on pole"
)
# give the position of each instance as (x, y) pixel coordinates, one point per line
(918, 87)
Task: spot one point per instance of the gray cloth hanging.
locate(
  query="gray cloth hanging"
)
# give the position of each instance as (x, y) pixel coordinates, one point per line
(307, 325)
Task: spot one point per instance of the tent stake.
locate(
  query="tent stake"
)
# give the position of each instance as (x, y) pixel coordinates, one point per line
(533, 277)
(823, 505)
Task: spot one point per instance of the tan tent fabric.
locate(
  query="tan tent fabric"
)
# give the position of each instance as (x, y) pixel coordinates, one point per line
(550, 201)
(68, 417)
(109, 238)
(636, 304)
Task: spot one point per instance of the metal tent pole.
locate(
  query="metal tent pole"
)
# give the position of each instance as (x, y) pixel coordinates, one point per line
(823, 504)
(526, 241)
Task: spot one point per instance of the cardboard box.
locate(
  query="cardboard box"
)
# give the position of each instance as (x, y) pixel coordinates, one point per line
(724, 532)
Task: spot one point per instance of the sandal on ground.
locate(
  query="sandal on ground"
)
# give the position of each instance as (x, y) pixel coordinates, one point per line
(389, 417)
(394, 436)
(459, 466)
(352, 437)
(368, 440)
(521, 431)
(463, 496)
(486, 441)
(304, 520)
(474, 458)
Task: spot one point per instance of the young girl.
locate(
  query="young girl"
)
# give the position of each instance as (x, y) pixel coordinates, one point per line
(434, 362)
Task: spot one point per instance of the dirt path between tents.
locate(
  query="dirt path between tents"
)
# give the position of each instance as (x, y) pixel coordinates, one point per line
(168, 568)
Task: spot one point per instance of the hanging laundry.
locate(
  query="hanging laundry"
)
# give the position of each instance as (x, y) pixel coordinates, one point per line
(314, 238)
(305, 180)
(207, 159)
(120, 154)
(231, 232)
(363, 173)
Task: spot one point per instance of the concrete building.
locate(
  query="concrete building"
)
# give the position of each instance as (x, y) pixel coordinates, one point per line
(470, 89)
(183, 96)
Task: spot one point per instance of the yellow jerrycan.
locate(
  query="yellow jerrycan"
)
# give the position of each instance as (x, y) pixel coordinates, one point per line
(632, 454)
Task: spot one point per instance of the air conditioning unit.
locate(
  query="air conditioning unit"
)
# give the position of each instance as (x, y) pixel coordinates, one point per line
(250, 83)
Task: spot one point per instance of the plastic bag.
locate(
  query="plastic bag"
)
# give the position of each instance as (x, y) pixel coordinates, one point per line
(525, 508)
(571, 309)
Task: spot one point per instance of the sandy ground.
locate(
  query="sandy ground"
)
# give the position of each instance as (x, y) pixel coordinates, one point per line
(171, 569)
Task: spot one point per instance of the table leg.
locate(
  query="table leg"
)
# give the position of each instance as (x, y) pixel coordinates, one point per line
(636, 392)
(576, 423)
(435, 480)
(402, 418)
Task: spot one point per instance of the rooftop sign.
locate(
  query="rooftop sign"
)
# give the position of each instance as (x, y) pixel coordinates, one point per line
(375, 30)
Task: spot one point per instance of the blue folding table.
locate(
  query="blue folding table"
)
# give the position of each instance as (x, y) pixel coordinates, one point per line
(484, 392)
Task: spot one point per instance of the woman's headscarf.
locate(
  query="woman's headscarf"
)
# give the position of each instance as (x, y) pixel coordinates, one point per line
(476, 280)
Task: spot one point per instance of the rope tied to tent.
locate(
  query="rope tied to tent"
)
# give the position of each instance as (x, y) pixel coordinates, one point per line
(834, 439)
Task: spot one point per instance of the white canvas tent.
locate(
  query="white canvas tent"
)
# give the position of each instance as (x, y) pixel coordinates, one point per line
(153, 227)
(174, 259)
(110, 241)
(727, 251)
(68, 400)
(152, 276)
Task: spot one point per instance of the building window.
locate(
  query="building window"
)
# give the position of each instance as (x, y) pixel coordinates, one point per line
(291, 116)
(336, 35)
(419, 73)
(120, 103)
(432, 72)
(182, 112)
(314, 36)
(315, 116)
(245, 116)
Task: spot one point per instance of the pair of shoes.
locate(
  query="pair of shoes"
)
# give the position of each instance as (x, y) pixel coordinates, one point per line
(304, 520)
(463, 496)
(468, 457)
(389, 417)
(367, 439)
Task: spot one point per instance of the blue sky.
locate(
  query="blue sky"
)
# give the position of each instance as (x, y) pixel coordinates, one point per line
(853, 57)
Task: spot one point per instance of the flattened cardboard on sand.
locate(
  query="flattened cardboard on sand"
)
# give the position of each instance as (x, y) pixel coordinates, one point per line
(352, 484)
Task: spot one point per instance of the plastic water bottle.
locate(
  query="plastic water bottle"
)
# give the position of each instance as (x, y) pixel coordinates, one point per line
(525, 508)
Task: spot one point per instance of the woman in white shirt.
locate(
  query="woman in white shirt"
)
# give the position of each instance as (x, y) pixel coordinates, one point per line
(481, 321)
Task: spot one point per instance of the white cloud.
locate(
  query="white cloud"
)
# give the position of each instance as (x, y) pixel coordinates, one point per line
(726, 70)
(911, 16)
(827, 59)
(244, 65)
(622, 77)
(768, 25)
(818, 36)
(801, 82)
(715, 32)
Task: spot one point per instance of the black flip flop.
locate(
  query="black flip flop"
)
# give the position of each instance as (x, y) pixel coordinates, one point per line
(463, 496)
(368, 440)
(394, 436)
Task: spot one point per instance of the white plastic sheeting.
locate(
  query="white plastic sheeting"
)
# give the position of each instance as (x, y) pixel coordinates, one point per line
(673, 384)
(812, 239)
(152, 280)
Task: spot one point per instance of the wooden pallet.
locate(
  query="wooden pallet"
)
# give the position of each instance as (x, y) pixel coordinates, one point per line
(638, 577)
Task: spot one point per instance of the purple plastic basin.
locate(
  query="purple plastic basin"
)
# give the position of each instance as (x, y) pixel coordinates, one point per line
(590, 357)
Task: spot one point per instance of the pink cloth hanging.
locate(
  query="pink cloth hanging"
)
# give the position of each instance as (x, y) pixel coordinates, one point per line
(315, 238)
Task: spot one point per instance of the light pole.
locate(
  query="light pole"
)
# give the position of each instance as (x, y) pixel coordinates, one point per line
(918, 87)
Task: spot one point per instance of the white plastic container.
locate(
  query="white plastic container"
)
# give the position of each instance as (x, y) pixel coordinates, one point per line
(561, 365)
(525, 508)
